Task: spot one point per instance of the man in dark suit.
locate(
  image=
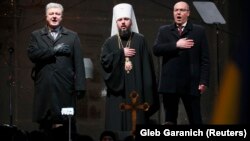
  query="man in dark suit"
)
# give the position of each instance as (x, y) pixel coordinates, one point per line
(59, 74)
(185, 65)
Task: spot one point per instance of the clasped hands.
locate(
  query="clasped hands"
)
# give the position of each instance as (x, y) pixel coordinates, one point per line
(62, 49)
(185, 43)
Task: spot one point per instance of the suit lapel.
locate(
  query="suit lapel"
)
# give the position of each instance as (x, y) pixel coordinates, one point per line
(187, 29)
(58, 37)
(174, 31)
(62, 33)
(46, 37)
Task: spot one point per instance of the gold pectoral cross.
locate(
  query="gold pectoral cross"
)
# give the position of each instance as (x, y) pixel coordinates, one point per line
(128, 65)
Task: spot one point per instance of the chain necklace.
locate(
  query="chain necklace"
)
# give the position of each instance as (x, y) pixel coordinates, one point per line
(128, 64)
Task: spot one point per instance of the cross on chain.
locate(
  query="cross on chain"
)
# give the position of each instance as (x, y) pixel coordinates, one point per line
(133, 107)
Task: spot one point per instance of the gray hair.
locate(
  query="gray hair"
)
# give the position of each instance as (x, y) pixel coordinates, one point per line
(53, 5)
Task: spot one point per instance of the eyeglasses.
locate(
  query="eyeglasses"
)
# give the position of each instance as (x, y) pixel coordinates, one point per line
(181, 10)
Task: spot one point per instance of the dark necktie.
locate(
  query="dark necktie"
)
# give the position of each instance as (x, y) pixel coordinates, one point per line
(180, 30)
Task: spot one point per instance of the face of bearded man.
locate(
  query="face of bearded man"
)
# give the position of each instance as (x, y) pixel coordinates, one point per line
(124, 25)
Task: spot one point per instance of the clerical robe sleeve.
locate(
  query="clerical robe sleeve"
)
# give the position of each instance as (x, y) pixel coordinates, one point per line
(112, 62)
(149, 82)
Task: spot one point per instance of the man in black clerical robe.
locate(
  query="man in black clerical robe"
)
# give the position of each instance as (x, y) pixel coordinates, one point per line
(121, 82)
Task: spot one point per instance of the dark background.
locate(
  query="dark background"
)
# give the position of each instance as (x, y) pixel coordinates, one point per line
(92, 20)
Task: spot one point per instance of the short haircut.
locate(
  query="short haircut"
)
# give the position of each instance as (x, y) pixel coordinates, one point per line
(53, 5)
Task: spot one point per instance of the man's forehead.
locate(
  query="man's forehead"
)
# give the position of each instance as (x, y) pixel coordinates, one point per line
(54, 9)
(127, 18)
(181, 5)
